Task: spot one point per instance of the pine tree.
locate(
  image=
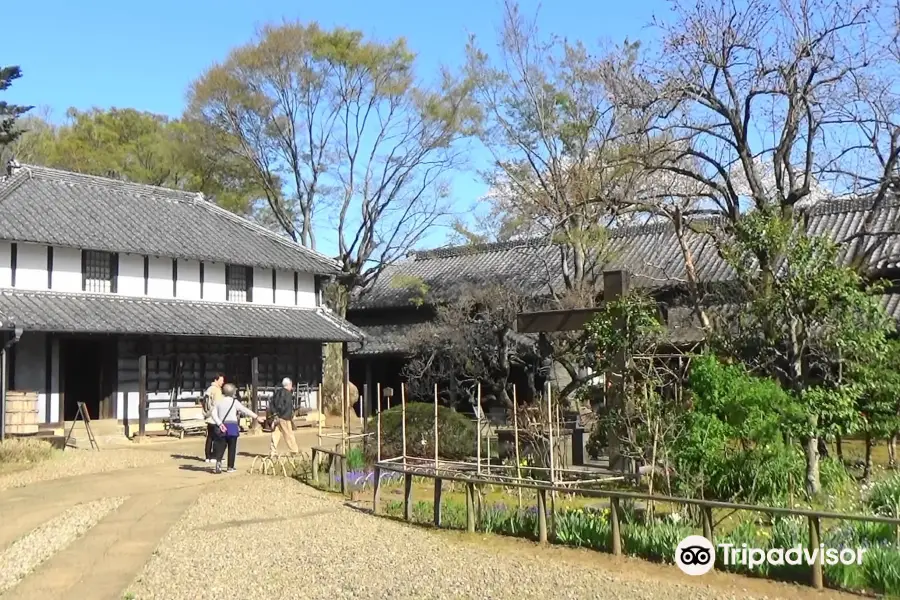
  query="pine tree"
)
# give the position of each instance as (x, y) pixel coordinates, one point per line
(9, 112)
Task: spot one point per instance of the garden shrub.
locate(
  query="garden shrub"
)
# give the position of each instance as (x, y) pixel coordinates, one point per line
(884, 496)
(655, 541)
(456, 432)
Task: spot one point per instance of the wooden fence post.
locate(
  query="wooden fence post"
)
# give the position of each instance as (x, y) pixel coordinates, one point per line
(343, 463)
(707, 517)
(376, 491)
(438, 488)
(315, 466)
(470, 507)
(542, 515)
(331, 472)
(814, 547)
(615, 526)
(407, 496)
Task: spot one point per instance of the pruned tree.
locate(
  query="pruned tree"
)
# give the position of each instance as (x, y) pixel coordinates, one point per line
(472, 340)
(339, 131)
(10, 112)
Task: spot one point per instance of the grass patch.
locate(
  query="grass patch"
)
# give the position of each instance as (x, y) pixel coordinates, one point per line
(21, 453)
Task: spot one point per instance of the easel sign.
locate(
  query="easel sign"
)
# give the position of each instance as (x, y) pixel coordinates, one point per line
(85, 417)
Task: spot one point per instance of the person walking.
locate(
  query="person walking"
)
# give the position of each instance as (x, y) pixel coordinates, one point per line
(282, 406)
(212, 395)
(225, 416)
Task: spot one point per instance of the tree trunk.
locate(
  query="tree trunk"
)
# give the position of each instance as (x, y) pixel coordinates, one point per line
(337, 298)
(811, 450)
(867, 469)
(839, 446)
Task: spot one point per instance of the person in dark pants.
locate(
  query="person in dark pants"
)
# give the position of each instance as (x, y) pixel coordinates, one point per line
(210, 398)
(225, 415)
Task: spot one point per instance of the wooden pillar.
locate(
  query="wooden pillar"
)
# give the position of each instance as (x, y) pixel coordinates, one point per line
(615, 285)
(142, 393)
(370, 385)
(254, 389)
(346, 392)
(4, 386)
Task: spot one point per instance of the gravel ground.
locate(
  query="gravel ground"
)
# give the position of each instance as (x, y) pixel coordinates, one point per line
(25, 554)
(269, 537)
(82, 462)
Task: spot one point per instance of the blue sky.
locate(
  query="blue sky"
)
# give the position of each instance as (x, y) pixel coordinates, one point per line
(143, 55)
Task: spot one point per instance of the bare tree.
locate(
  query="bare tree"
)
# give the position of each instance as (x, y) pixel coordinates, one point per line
(341, 132)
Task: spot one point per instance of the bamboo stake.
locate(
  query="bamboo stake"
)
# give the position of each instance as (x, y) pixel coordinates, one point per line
(435, 428)
(378, 422)
(516, 436)
(344, 399)
(478, 431)
(550, 425)
(403, 418)
(319, 406)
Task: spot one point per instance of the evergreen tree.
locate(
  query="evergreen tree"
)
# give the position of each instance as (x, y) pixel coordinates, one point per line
(9, 112)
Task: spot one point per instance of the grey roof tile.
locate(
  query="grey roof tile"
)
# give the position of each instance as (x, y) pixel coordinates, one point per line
(650, 252)
(110, 313)
(55, 207)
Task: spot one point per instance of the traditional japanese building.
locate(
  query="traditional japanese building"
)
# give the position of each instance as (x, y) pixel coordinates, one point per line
(125, 296)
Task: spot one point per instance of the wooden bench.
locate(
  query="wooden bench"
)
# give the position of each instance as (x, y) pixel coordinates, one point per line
(186, 421)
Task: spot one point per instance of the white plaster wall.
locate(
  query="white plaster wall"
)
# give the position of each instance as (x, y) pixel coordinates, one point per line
(31, 267)
(214, 282)
(30, 368)
(160, 280)
(306, 290)
(66, 270)
(284, 292)
(188, 287)
(5, 262)
(262, 286)
(131, 275)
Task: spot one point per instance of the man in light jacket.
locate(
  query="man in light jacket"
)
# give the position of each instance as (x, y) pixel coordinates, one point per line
(282, 406)
(225, 415)
(212, 395)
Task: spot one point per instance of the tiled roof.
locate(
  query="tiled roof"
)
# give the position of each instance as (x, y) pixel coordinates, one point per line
(650, 252)
(384, 339)
(55, 207)
(109, 313)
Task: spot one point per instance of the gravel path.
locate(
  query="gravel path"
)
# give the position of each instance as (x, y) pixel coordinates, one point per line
(24, 555)
(267, 537)
(82, 462)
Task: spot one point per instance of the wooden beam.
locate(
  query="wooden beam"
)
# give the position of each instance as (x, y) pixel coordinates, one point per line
(142, 393)
(554, 320)
(254, 382)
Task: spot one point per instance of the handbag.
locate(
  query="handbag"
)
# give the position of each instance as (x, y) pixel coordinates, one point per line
(231, 429)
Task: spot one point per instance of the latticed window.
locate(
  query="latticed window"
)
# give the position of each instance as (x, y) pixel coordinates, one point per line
(98, 271)
(238, 284)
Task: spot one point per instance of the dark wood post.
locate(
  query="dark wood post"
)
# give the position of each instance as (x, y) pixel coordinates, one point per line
(376, 491)
(142, 393)
(315, 466)
(331, 472)
(343, 460)
(345, 394)
(254, 389)
(407, 496)
(814, 531)
(542, 515)
(615, 285)
(470, 507)
(438, 485)
(615, 528)
(707, 516)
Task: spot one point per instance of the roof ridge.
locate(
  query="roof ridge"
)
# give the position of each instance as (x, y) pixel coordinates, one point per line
(850, 204)
(197, 198)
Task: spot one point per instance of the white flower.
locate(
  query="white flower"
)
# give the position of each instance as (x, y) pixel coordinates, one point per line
(675, 517)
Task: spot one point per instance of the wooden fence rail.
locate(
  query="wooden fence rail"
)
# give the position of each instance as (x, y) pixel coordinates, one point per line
(814, 517)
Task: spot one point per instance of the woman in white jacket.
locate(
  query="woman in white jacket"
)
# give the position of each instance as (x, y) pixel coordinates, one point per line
(225, 414)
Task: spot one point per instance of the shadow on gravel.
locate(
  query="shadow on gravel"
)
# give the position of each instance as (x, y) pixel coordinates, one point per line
(186, 457)
(203, 469)
(242, 522)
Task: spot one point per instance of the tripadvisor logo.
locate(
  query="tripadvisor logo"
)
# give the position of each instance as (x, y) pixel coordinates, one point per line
(695, 555)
